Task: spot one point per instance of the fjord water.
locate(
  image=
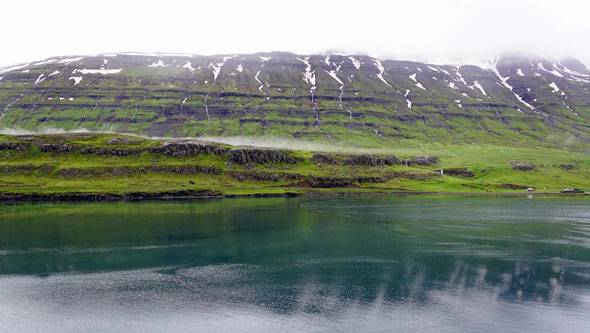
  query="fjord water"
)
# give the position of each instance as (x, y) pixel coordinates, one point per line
(381, 263)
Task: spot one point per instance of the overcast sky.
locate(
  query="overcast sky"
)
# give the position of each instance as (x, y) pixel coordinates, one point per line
(411, 29)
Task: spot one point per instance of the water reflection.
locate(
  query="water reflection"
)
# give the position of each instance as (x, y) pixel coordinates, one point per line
(376, 263)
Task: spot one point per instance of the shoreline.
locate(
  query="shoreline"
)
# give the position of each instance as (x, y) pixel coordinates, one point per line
(208, 194)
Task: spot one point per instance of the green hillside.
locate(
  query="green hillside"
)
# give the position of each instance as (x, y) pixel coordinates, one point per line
(110, 166)
(329, 98)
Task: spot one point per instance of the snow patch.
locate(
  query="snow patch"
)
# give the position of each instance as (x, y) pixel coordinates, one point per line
(461, 77)
(577, 79)
(44, 62)
(458, 101)
(408, 101)
(217, 67)
(40, 79)
(419, 85)
(158, 63)
(356, 63)
(480, 87)
(553, 71)
(519, 72)
(189, 66)
(381, 71)
(258, 80)
(444, 71)
(240, 68)
(309, 75)
(265, 59)
(332, 73)
(309, 78)
(26, 71)
(54, 73)
(13, 68)
(97, 71)
(554, 87)
(67, 61)
(571, 72)
(76, 79)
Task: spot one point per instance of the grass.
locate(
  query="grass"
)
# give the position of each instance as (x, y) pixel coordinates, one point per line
(33, 171)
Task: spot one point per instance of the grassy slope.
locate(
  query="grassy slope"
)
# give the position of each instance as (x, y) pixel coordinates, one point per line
(495, 159)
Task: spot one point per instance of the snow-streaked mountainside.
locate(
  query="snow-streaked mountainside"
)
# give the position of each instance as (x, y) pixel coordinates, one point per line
(357, 99)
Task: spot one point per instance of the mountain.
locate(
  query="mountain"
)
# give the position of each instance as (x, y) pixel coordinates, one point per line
(355, 99)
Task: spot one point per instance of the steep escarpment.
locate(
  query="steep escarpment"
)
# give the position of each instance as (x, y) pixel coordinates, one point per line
(348, 98)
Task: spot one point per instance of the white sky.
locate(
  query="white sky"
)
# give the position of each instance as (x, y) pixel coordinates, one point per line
(410, 29)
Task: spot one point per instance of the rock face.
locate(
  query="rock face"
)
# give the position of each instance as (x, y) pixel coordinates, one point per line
(329, 182)
(14, 169)
(123, 141)
(567, 166)
(189, 148)
(371, 160)
(126, 170)
(244, 156)
(513, 186)
(423, 160)
(58, 148)
(462, 172)
(11, 145)
(263, 176)
(111, 151)
(107, 196)
(522, 165)
(323, 158)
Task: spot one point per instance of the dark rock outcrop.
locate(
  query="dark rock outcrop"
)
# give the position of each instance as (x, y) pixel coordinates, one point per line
(128, 170)
(244, 156)
(372, 179)
(423, 160)
(58, 148)
(462, 172)
(11, 145)
(522, 165)
(323, 158)
(371, 160)
(189, 148)
(111, 151)
(40, 196)
(329, 182)
(264, 176)
(184, 169)
(16, 169)
(123, 141)
(513, 186)
(567, 166)
(420, 175)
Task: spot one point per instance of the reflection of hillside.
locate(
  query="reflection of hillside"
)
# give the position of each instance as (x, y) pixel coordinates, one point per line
(290, 255)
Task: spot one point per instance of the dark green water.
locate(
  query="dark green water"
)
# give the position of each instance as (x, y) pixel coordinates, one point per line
(397, 263)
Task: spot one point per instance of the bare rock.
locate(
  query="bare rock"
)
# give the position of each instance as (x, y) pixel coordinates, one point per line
(522, 165)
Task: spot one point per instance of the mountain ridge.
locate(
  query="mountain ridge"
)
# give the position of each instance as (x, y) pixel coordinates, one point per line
(349, 98)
